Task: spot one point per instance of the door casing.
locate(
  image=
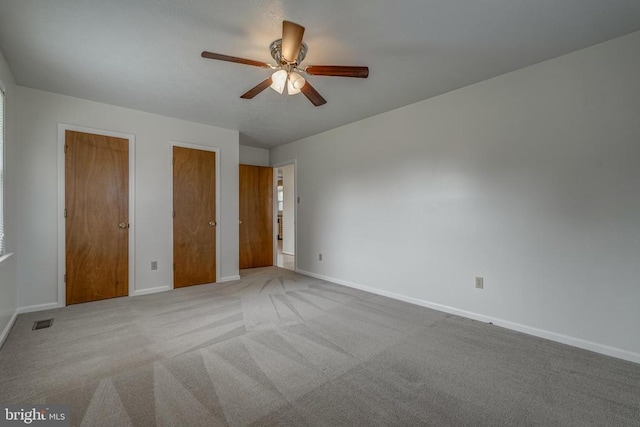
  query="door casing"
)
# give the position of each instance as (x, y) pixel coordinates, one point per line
(275, 166)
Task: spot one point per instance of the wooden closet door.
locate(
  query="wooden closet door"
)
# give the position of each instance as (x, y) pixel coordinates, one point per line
(194, 216)
(96, 217)
(256, 216)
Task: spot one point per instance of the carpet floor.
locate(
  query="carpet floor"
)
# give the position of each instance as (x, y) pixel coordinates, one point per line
(280, 348)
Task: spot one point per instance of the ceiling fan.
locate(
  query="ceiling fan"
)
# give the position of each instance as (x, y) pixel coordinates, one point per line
(289, 52)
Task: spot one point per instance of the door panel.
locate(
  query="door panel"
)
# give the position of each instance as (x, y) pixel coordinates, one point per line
(97, 211)
(256, 216)
(194, 208)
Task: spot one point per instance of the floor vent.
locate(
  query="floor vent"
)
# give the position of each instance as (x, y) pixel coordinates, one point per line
(41, 324)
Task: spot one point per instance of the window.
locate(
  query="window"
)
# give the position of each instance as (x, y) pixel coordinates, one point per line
(2, 243)
(280, 198)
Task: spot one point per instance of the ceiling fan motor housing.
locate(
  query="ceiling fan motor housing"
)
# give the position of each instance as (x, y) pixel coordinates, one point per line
(276, 52)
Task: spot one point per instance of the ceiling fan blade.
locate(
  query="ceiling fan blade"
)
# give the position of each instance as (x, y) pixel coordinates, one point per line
(257, 89)
(312, 95)
(220, 57)
(338, 70)
(291, 40)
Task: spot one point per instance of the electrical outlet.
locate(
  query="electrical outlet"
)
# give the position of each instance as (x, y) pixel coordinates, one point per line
(479, 282)
(319, 257)
(154, 265)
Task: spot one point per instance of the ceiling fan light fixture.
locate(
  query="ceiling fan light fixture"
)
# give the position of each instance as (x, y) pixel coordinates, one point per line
(279, 80)
(291, 90)
(296, 80)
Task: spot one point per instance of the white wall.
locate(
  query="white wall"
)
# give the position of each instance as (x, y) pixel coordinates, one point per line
(254, 156)
(8, 283)
(530, 179)
(288, 211)
(39, 115)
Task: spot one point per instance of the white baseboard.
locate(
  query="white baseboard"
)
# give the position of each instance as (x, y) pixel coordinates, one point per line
(139, 292)
(289, 253)
(7, 328)
(552, 336)
(228, 279)
(39, 307)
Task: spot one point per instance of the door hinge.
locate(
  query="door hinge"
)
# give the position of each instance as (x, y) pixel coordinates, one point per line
(65, 148)
(65, 213)
(65, 277)
(174, 214)
(174, 265)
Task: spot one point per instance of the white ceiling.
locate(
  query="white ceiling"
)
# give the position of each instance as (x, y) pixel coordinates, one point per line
(145, 54)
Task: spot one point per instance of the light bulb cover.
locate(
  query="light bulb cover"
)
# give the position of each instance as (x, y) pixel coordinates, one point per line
(278, 81)
(291, 90)
(297, 81)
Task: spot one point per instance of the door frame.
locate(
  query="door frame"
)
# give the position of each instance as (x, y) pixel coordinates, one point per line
(62, 128)
(203, 148)
(275, 166)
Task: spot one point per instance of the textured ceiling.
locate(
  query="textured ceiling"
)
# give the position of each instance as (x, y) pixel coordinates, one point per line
(145, 54)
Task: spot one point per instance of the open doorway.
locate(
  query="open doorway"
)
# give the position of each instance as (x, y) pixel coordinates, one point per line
(285, 208)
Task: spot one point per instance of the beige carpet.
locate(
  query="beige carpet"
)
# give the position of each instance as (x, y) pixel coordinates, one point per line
(279, 348)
